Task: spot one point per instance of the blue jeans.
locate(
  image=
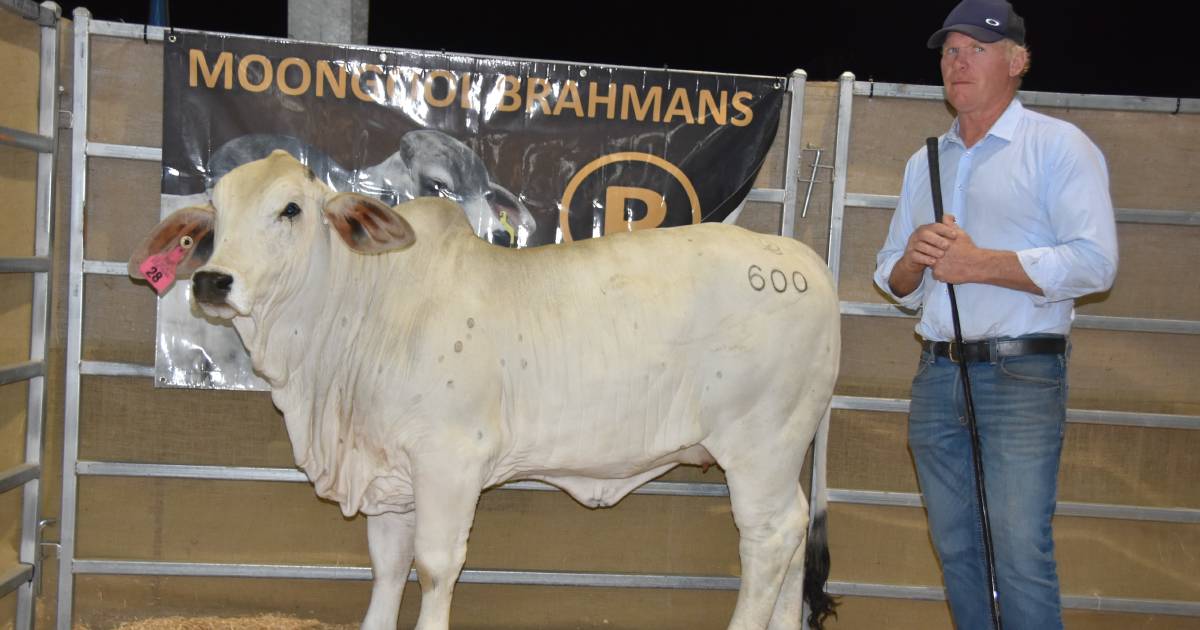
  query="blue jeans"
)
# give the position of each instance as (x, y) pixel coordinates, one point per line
(1020, 411)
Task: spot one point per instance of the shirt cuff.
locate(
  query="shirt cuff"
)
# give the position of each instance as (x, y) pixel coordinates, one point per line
(912, 301)
(1041, 265)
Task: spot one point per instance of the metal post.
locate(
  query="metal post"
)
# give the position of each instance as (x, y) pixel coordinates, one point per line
(841, 156)
(70, 481)
(333, 21)
(39, 327)
(817, 491)
(787, 226)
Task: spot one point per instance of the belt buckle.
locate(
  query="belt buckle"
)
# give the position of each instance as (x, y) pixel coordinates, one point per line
(950, 345)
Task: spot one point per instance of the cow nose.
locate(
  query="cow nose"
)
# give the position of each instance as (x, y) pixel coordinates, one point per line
(211, 287)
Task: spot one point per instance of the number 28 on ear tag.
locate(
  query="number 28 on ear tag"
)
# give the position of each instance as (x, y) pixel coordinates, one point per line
(159, 269)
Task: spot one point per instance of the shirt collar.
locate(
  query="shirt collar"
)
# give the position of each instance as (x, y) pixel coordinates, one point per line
(1005, 127)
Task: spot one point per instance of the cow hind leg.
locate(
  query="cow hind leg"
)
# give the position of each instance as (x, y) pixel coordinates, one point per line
(390, 543)
(805, 583)
(771, 514)
(789, 605)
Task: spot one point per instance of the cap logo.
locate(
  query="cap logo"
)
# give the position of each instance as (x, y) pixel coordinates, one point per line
(992, 22)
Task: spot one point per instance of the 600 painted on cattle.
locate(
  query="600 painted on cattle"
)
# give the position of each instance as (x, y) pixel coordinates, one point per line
(416, 365)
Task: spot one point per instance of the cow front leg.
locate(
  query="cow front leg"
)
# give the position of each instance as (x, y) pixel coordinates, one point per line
(390, 542)
(446, 496)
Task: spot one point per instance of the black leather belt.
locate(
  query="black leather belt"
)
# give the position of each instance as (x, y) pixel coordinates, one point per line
(993, 349)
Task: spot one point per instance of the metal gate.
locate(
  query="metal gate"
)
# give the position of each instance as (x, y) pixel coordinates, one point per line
(25, 576)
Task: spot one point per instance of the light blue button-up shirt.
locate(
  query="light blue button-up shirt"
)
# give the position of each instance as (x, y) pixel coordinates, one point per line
(1034, 185)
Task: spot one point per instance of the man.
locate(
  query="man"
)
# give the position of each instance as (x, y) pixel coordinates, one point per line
(1028, 227)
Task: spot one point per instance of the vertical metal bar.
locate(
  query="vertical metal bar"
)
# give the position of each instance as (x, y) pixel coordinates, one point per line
(70, 482)
(817, 490)
(39, 328)
(787, 226)
(840, 158)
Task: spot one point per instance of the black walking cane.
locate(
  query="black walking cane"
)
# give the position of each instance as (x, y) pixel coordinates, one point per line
(935, 184)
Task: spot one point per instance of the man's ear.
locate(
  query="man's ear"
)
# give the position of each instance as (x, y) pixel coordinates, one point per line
(367, 225)
(188, 229)
(1016, 63)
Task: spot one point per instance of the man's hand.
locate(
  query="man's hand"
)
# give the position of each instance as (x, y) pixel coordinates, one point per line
(926, 247)
(959, 260)
(962, 262)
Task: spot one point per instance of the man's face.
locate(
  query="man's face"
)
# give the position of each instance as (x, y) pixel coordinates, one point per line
(978, 75)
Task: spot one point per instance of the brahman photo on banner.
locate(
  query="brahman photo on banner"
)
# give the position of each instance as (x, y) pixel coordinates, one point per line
(535, 152)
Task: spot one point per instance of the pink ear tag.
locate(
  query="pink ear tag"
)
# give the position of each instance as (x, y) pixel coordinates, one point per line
(159, 269)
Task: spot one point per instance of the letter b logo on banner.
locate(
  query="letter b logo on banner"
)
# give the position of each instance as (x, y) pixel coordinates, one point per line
(618, 199)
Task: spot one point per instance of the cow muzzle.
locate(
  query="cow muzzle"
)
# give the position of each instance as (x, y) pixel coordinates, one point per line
(212, 287)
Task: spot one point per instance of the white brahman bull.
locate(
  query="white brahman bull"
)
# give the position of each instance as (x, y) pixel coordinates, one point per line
(415, 365)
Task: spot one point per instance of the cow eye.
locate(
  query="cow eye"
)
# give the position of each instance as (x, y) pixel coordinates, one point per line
(435, 188)
(291, 211)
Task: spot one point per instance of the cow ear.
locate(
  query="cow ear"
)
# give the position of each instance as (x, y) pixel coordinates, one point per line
(184, 239)
(367, 225)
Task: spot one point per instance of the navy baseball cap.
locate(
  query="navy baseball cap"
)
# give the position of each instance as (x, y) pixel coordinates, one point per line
(983, 20)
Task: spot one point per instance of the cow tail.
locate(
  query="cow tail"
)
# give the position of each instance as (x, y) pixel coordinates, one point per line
(816, 572)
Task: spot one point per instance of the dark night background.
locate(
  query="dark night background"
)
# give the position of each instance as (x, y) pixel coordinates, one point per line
(1117, 47)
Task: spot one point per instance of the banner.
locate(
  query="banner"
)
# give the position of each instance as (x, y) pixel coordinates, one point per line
(536, 153)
